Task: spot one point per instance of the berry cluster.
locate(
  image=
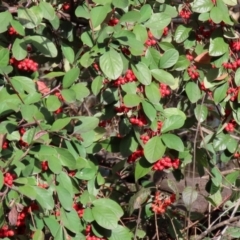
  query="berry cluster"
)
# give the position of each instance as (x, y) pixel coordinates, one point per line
(233, 65)
(59, 95)
(233, 92)
(59, 110)
(165, 31)
(185, 13)
(165, 163)
(96, 67)
(150, 41)
(113, 21)
(79, 209)
(12, 31)
(5, 232)
(135, 155)
(5, 144)
(189, 57)
(192, 72)
(140, 121)
(104, 123)
(235, 46)
(88, 236)
(230, 126)
(26, 64)
(164, 90)
(236, 154)
(128, 77)
(21, 217)
(66, 6)
(8, 179)
(44, 165)
(125, 51)
(21, 142)
(42, 185)
(160, 204)
(144, 138)
(122, 109)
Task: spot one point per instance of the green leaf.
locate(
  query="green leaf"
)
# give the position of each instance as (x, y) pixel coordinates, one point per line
(1, 180)
(111, 64)
(28, 191)
(65, 181)
(138, 199)
(98, 14)
(47, 10)
(154, 149)
(18, 27)
(153, 56)
(88, 124)
(86, 60)
(163, 77)
(68, 52)
(44, 198)
(4, 57)
(142, 73)
(52, 224)
(169, 58)
(146, 12)
(193, 92)
(230, 2)
(153, 93)
(54, 74)
(173, 142)
(120, 233)
(236, 78)
(43, 45)
(201, 112)
(71, 221)
(173, 122)
(130, 17)
(22, 84)
(64, 198)
(220, 93)
(82, 11)
(217, 47)
(2, 215)
(5, 19)
(149, 110)
(66, 158)
(27, 17)
(142, 168)
(19, 49)
(38, 235)
(216, 15)
(60, 124)
(70, 77)
(81, 91)
(86, 174)
(182, 33)
(202, 6)
(189, 195)
(106, 213)
(120, 3)
(54, 164)
(69, 95)
(158, 21)
(97, 85)
(131, 100)
(53, 103)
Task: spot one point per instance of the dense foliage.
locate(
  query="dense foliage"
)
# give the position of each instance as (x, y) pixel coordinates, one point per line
(98, 99)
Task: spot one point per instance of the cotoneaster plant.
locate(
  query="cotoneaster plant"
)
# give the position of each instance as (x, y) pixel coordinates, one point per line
(107, 107)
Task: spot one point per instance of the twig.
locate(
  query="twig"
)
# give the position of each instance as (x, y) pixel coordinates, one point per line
(226, 222)
(232, 215)
(138, 222)
(156, 226)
